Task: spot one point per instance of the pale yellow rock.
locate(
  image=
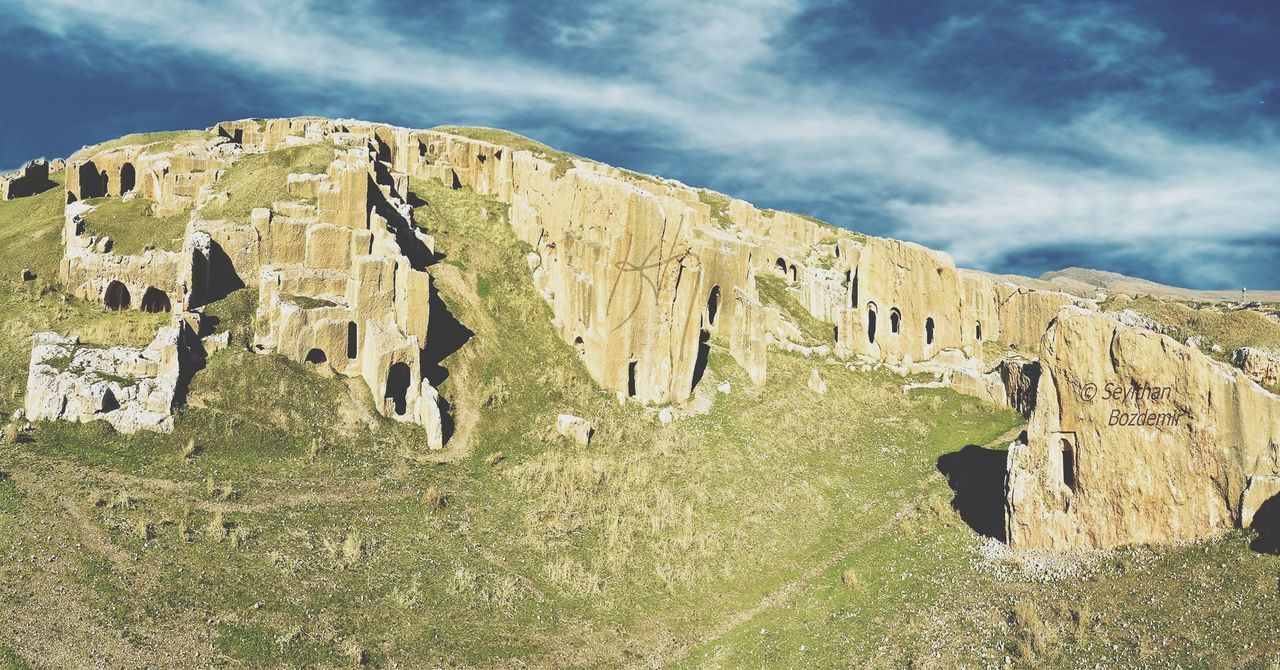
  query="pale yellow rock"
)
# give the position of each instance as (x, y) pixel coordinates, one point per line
(575, 428)
(1135, 439)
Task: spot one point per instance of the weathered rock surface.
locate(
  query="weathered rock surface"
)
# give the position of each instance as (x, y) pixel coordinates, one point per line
(575, 428)
(816, 383)
(1012, 384)
(1135, 438)
(132, 389)
(30, 179)
(1260, 365)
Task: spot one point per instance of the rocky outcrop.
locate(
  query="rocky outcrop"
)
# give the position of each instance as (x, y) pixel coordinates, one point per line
(816, 383)
(1135, 438)
(1012, 384)
(1026, 313)
(575, 428)
(1260, 365)
(132, 389)
(30, 179)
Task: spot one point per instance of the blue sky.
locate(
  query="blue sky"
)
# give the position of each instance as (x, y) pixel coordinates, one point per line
(1138, 137)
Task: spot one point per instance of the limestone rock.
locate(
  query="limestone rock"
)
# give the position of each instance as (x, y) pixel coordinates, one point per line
(666, 415)
(430, 416)
(1012, 384)
(1261, 366)
(1260, 489)
(816, 384)
(575, 428)
(1135, 438)
(30, 179)
(132, 389)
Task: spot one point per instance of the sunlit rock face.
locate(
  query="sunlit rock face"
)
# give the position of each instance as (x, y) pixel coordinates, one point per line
(1135, 439)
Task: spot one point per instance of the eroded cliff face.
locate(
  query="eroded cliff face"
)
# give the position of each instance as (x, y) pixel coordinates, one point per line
(1135, 438)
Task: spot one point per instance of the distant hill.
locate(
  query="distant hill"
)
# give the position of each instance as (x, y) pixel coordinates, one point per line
(1077, 280)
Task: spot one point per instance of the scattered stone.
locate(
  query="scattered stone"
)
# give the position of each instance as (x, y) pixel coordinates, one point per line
(724, 387)
(666, 415)
(816, 384)
(1260, 365)
(575, 428)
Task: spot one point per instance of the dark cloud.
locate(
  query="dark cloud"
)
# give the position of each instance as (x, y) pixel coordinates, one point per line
(1138, 138)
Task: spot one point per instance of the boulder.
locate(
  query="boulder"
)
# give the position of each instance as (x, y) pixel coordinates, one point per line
(816, 384)
(574, 427)
(1260, 365)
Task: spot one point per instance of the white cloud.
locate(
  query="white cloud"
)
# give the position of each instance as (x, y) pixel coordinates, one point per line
(706, 78)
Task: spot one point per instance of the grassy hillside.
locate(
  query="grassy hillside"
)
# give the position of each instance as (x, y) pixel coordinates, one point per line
(258, 180)
(132, 226)
(1228, 328)
(778, 529)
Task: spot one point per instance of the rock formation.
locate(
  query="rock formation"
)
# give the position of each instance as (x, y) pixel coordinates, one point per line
(1136, 438)
(30, 179)
(1261, 366)
(640, 274)
(132, 389)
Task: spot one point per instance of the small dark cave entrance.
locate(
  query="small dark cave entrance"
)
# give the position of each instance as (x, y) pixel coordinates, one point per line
(713, 305)
(976, 476)
(895, 320)
(316, 356)
(399, 377)
(154, 300)
(1068, 464)
(116, 297)
(353, 340)
(704, 353)
(109, 402)
(128, 178)
(93, 184)
(631, 379)
(871, 322)
(928, 330)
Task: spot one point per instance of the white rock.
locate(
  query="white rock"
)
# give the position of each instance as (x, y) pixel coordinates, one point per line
(574, 427)
(816, 384)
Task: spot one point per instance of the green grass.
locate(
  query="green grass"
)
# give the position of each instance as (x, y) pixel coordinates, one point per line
(258, 180)
(31, 233)
(1231, 329)
(719, 204)
(30, 237)
(562, 161)
(158, 142)
(773, 291)
(132, 226)
(308, 302)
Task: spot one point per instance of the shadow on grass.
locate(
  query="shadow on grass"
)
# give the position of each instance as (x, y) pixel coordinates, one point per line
(976, 475)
